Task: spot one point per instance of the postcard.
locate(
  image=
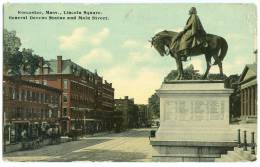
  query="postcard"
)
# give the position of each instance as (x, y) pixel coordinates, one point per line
(129, 82)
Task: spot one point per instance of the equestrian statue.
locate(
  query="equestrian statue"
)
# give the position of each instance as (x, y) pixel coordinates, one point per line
(192, 41)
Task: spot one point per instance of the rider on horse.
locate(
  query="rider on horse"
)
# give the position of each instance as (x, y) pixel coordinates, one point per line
(192, 35)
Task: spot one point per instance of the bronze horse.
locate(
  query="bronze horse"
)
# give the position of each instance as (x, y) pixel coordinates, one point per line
(217, 48)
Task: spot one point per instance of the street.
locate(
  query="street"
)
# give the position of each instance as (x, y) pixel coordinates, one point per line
(129, 146)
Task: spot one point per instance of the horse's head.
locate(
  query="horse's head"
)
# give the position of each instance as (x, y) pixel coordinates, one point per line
(162, 40)
(158, 43)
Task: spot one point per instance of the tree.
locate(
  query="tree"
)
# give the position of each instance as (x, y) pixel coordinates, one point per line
(133, 115)
(30, 61)
(16, 61)
(11, 55)
(154, 105)
(233, 82)
(12, 43)
(189, 73)
(217, 77)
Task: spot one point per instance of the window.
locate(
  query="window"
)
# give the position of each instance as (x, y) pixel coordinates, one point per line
(20, 95)
(51, 100)
(33, 96)
(65, 98)
(65, 84)
(45, 82)
(46, 70)
(50, 113)
(42, 97)
(46, 98)
(18, 112)
(64, 112)
(23, 95)
(37, 97)
(33, 113)
(12, 92)
(27, 94)
(24, 113)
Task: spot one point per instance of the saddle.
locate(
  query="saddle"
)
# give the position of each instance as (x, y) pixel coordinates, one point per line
(184, 53)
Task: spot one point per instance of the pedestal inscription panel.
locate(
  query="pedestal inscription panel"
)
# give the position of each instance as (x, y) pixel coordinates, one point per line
(193, 109)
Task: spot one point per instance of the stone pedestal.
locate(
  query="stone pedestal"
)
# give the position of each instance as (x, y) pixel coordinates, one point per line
(194, 121)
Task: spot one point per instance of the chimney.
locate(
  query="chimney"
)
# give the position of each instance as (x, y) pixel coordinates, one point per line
(59, 64)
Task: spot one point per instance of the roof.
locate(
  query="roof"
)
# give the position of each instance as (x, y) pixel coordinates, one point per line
(249, 72)
(24, 82)
(68, 67)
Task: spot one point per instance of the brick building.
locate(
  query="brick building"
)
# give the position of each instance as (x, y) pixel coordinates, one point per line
(129, 112)
(82, 99)
(107, 106)
(28, 106)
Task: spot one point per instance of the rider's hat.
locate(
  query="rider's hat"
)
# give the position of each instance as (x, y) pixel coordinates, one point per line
(193, 10)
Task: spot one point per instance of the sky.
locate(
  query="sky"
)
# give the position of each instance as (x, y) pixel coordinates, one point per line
(118, 48)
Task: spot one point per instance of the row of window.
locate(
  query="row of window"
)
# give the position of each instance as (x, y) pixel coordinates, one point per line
(38, 82)
(83, 99)
(26, 113)
(29, 95)
(75, 87)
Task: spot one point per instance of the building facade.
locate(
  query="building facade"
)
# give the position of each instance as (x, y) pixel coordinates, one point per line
(107, 106)
(143, 115)
(248, 93)
(129, 112)
(28, 106)
(82, 99)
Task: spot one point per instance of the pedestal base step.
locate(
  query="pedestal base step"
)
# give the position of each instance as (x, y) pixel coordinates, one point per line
(188, 151)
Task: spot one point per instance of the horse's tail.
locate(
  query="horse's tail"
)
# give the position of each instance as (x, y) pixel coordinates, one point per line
(223, 48)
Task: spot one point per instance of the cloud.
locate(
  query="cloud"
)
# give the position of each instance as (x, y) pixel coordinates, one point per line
(96, 55)
(158, 30)
(98, 38)
(130, 43)
(71, 41)
(81, 36)
(140, 86)
(139, 51)
(146, 56)
(237, 65)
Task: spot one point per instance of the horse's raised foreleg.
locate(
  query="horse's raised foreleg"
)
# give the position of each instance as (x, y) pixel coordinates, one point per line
(208, 58)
